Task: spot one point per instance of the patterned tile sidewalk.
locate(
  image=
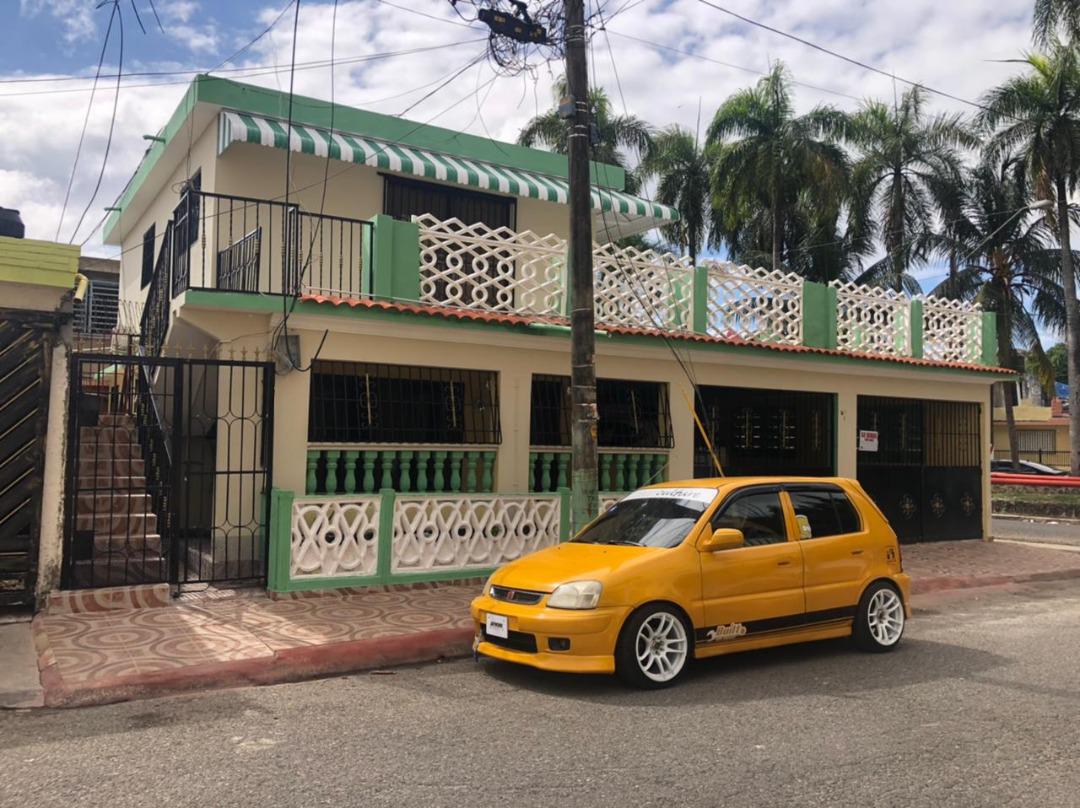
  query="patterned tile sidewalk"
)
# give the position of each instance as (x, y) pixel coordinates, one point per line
(113, 654)
(110, 655)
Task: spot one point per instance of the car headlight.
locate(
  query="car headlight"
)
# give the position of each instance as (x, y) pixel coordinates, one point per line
(576, 595)
(487, 585)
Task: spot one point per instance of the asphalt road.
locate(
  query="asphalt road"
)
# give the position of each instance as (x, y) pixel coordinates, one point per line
(978, 707)
(1047, 530)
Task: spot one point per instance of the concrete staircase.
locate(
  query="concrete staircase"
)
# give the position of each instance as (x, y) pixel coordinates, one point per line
(117, 540)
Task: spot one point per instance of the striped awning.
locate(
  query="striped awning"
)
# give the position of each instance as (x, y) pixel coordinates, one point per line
(618, 213)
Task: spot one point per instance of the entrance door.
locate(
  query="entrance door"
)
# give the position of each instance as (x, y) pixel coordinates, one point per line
(24, 400)
(168, 471)
(761, 582)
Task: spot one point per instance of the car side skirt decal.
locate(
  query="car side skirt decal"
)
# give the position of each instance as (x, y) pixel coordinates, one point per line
(710, 635)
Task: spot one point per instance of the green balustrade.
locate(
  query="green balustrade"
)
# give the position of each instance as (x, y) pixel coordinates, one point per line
(488, 461)
(386, 479)
(404, 470)
(533, 456)
(455, 471)
(369, 471)
(332, 471)
(350, 471)
(438, 483)
(311, 483)
(422, 459)
(563, 460)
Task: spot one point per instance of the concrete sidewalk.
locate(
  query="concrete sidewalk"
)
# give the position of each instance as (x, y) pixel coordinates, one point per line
(114, 646)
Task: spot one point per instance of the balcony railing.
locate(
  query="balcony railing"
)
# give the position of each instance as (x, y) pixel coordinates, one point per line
(240, 244)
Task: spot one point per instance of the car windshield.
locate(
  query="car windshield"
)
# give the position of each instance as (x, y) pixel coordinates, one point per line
(659, 517)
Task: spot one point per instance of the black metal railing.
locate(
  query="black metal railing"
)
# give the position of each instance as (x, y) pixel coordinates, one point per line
(155, 315)
(243, 244)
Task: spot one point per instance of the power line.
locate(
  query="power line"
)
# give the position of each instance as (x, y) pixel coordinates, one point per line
(842, 57)
(425, 14)
(112, 124)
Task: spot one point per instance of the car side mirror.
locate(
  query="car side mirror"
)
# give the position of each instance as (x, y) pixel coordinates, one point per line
(724, 538)
(804, 527)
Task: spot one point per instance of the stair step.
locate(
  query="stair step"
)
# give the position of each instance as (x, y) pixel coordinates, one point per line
(115, 434)
(113, 465)
(89, 484)
(113, 501)
(94, 573)
(109, 546)
(116, 419)
(125, 524)
(104, 451)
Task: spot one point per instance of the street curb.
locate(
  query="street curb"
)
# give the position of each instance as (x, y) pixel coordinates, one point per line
(286, 665)
(1020, 517)
(942, 583)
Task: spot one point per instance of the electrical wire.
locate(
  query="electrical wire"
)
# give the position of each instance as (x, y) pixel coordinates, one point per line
(86, 121)
(112, 124)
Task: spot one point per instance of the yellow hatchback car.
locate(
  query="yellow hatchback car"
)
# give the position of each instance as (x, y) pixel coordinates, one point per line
(699, 568)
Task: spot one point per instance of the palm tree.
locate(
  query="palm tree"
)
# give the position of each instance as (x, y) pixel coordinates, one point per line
(1006, 261)
(683, 167)
(1037, 115)
(767, 159)
(620, 139)
(1054, 18)
(904, 158)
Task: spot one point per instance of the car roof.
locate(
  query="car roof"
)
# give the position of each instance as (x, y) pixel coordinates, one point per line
(734, 482)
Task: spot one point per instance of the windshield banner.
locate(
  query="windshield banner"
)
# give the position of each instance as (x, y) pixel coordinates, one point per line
(703, 495)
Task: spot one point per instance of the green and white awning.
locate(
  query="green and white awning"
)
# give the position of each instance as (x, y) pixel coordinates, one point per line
(619, 213)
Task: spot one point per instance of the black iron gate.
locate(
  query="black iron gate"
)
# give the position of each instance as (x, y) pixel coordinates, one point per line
(924, 469)
(24, 399)
(169, 470)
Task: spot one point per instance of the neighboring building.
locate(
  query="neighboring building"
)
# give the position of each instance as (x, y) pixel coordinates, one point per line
(37, 280)
(390, 354)
(1042, 433)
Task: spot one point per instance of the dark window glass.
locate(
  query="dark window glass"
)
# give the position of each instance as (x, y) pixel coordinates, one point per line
(650, 522)
(758, 515)
(404, 199)
(633, 414)
(828, 511)
(148, 255)
(361, 402)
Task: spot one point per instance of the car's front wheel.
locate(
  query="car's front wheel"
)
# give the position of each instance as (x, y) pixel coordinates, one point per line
(879, 622)
(654, 647)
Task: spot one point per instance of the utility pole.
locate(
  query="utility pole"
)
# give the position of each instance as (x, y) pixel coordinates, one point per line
(585, 499)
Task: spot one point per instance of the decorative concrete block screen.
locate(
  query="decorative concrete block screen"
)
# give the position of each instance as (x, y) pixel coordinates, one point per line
(471, 532)
(872, 320)
(754, 304)
(334, 537)
(952, 330)
(477, 267)
(642, 289)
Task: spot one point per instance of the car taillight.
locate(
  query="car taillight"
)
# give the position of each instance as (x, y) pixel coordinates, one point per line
(900, 555)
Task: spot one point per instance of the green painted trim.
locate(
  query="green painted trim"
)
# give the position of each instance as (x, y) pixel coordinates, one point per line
(386, 533)
(989, 338)
(819, 315)
(311, 584)
(565, 504)
(916, 318)
(270, 304)
(41, 263)
(431, 577)
(395, 259)
(247, 98)
(700, 303)
(277, 564)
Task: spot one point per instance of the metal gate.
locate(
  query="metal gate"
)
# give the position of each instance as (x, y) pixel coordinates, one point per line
(24, 400)
(169, 470)
(926, 470)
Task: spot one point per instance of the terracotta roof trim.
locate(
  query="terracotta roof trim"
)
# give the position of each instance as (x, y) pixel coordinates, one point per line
(471, 315)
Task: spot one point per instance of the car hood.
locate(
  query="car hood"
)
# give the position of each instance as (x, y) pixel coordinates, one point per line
(544, 570)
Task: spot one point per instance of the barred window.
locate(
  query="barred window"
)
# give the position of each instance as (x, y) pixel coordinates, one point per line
(365, 402)
(633, 414)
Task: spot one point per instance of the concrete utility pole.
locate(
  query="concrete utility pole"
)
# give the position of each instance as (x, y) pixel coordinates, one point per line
(585, 500)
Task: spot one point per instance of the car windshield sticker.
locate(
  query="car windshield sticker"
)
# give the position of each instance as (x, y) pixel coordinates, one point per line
(703, 495)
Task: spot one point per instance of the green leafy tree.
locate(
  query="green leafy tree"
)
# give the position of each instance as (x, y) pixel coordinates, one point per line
(682, 167)
(906, 161)
(1037, 116)
(1008, 262)
(1056, 18)
(767, 161)
(622, 140)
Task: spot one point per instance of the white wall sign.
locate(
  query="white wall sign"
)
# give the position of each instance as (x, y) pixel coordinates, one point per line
(868, 440)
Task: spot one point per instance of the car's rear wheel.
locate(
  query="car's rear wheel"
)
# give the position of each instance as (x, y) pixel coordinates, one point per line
(654, 647)
(879, 622)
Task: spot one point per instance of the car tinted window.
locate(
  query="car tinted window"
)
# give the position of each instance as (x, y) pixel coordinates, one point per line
(828, 511)
(661, 518)
(757, 514)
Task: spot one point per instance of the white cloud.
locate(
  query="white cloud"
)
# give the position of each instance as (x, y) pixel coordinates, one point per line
(76, 16)
(946, 45)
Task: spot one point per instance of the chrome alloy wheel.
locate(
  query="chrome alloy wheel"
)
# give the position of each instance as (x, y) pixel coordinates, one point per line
(661, 647)
(885, 617)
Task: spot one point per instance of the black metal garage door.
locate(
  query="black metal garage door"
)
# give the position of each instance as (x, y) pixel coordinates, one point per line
(926, 473)
(766, 432)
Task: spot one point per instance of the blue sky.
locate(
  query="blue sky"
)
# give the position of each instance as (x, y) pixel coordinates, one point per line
(955, 46)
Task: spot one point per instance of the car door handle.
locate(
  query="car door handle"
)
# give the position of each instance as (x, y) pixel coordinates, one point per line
(856, 552)
(784, 563)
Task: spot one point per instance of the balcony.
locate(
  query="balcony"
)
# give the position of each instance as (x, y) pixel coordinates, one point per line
(237, 244)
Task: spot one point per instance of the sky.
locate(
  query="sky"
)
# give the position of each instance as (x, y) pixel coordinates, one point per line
(675, 61)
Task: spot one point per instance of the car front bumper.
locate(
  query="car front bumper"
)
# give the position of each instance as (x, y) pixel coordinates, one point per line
(592, 634)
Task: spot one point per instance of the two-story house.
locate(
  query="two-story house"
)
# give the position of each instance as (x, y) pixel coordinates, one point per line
(354, 361)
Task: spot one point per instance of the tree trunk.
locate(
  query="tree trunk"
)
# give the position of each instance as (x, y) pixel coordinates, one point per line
(1072, 324)
(1004, 350)
(776, 229)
